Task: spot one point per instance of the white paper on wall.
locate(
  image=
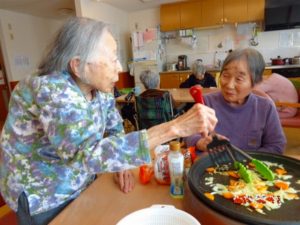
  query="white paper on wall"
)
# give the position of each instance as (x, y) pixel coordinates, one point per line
(285, 39)
(296, 39)
(137, 39)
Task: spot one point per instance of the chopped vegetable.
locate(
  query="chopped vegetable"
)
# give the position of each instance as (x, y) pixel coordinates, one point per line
(228, 195)
(209, 196)
(211, 170)
(233, 174)
(280, 171)
(282, 185)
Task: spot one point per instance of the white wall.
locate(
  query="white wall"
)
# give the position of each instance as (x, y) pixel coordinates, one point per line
(117, 20)
(23, 39)
(270, 44)
(140, 20)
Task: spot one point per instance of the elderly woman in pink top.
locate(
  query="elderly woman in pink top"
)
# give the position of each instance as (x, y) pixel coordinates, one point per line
(280, 89)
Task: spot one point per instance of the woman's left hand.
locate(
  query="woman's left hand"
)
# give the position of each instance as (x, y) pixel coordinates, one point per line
(125, 179)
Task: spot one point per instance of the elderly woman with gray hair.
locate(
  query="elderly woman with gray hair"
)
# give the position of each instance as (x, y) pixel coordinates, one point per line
(199, 77)
(249, 121)
(150, 79)
(63, 127)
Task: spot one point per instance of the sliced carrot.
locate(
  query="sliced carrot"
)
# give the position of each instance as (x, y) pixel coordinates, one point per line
(282, 185)
(256, 205)
(209, 196)
(280, 171)
(228, 195)
(233, 174)
(211, 169)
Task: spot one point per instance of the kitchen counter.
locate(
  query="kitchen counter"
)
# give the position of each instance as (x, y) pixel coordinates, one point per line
(176, 71)
(218, 69)
(273, 67)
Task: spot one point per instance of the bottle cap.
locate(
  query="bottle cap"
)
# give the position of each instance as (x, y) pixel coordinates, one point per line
(174, 145)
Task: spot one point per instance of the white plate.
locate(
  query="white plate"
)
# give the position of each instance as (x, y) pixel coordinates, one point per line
(159, 215)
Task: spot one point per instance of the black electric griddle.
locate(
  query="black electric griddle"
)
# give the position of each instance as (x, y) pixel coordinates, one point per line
(287, 214)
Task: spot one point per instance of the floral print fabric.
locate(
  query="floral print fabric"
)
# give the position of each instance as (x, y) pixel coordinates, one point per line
(54, 141)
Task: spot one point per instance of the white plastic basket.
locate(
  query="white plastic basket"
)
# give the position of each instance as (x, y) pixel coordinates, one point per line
(159, 215)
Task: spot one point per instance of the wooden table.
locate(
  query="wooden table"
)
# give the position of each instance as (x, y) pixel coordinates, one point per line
(180, 95)
(102, 203)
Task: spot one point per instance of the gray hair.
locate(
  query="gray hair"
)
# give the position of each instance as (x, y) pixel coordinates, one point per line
(78, 37)
(198, 67)
(254, 59)
(150, 79)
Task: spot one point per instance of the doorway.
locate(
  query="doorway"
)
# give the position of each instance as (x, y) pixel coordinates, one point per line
(4, 89)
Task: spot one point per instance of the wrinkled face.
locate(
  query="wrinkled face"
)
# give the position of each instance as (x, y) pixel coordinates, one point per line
(236, 82)
(103, 73)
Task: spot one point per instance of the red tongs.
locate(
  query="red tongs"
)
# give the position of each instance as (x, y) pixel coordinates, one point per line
(196, 93)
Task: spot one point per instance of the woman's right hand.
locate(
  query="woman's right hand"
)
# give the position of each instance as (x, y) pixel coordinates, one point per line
(199, 119)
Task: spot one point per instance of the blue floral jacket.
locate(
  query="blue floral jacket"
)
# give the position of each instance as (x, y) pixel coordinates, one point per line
(54, 141)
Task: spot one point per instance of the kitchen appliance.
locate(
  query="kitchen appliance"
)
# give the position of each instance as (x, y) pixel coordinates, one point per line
(294, 60)
(159, 215)
(222, 211)
(278, 61)
(171, 66)
(182, 62)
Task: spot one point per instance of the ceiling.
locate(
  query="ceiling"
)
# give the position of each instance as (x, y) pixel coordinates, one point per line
(59, 9)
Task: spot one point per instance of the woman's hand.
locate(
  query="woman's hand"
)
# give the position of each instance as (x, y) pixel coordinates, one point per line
(203, 142)
(125, 179)
(200, 119)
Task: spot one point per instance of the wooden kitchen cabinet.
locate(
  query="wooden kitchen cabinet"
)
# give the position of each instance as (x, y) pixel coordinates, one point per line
(218, 12)
(206, 13)
(256, 10)
(211, 13)
(190, 15)
(173, 79)
(235, 11)
(170, 17)
(183, 15)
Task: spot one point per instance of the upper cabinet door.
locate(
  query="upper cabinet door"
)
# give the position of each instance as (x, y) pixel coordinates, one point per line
(170, 17)
(235, 11)
(256, 10)
(212, 12)
(190, 14)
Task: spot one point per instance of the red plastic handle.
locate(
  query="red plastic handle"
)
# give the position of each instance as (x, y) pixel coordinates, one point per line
(196, 93)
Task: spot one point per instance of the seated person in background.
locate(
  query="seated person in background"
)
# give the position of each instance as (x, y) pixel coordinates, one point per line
(249, 121)
(280, 89)
(199, 76)
(151, 82)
